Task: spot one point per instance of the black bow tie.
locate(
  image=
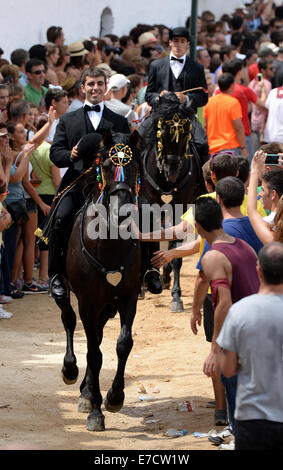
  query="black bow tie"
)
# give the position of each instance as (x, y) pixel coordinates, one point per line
(178, 60)
(92, 108)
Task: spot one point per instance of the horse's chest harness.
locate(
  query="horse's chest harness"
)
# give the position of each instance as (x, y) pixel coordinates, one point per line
(112, 277)
(166, 196)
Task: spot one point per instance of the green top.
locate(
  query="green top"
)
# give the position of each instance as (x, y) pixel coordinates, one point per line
(200, 116)
(32, 95)
(41, 164)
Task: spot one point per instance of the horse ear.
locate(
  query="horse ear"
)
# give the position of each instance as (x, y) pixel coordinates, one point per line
(135, 138)
(107, 138)
(136, 141)
(139, 141)
(189, 107)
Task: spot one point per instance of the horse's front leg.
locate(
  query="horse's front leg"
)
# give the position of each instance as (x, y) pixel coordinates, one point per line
(69, 369)
(176, 303)
(91, 398)
(86, 398)
(127, 309)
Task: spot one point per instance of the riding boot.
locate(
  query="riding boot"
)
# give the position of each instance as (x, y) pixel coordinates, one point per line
(58, 242)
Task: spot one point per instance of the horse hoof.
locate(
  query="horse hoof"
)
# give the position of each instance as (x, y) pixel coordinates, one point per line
(69, 378)
(95, 422)
(112, 408)
(85, 405)
(177, 306)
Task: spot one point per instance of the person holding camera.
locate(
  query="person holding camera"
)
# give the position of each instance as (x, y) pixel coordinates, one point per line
(272, 198)
(260, 85)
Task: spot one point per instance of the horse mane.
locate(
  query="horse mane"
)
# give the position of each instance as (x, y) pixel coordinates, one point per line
(169, 104)
(164, 108)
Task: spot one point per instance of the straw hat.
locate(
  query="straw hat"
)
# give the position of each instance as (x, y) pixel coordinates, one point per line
(77, 49)
(145, 39)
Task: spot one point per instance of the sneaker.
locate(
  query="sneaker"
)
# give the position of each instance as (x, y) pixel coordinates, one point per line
(4, 299)
(18, 284)
(44, 284)
(229, 446)
(4, 314)
(218, 438)
(32, 288)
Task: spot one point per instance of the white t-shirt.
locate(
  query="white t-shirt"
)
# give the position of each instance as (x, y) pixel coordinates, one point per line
(273, 131)
(52, 131)
(253, 328)
(269, 219)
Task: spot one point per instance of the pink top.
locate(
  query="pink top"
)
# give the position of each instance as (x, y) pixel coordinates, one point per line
(258, 116)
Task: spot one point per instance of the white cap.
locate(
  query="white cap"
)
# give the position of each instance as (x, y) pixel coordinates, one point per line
(117, 81)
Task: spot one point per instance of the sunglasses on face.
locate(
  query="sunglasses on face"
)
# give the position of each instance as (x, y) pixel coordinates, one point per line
(229, 152)
(38, 72)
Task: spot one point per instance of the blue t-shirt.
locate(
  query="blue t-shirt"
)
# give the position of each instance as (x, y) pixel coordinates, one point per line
(238, 228)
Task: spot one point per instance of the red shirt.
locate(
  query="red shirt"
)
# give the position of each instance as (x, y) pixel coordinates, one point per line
(244, 95)
(253, 71)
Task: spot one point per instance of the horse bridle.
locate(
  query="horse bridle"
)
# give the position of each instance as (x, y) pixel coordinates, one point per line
(175, 123)
(178, 186)
(112, 277)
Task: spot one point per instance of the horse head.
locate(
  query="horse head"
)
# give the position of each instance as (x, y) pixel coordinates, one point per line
(117, 174)
(171, 134)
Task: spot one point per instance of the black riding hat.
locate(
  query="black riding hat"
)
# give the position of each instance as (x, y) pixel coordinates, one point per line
(180, 32)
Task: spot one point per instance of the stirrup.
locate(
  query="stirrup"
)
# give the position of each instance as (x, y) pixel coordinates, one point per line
(64, 287)
(154, 270)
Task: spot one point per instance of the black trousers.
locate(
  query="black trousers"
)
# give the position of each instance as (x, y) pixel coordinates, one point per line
(61, 230)
(47, 198)
(258, 434)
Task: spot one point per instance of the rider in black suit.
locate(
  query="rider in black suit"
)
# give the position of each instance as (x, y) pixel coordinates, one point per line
(94, 118)
(177, 72)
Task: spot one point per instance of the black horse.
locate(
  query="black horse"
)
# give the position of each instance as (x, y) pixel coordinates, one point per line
(171, 170)
(103, 267)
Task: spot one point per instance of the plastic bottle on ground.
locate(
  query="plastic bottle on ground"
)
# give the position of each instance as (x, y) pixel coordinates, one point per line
(175, 433)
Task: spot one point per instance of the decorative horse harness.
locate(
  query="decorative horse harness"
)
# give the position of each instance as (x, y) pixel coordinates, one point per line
(176, 125)
(120, 155)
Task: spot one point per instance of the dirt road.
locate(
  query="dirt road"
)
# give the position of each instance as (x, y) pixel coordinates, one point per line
(38, 410)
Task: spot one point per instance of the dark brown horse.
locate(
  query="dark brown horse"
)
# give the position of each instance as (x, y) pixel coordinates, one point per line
(103, 267)
(171, 170)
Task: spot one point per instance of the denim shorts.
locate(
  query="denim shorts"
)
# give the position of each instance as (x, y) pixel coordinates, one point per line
(31, 205)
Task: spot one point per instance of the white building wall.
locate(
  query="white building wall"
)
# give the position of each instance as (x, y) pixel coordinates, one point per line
(24, 23)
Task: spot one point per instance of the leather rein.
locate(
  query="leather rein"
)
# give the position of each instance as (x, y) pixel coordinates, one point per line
(115, 276)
